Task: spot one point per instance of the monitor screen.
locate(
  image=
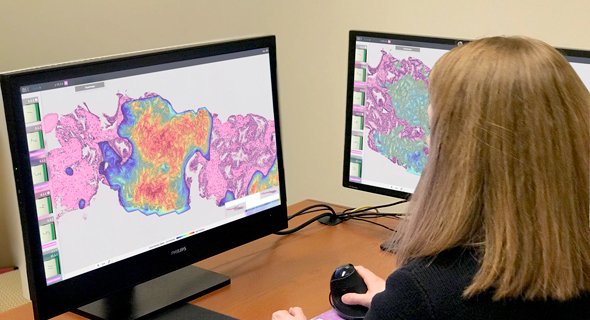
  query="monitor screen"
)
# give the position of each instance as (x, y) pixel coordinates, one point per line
(386, 108)
(120, 162)
(580, 61)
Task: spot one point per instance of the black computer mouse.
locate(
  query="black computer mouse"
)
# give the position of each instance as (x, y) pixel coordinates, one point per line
(344, 280)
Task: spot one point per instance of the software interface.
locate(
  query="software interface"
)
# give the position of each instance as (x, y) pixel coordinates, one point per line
(389, 118)
(389, 113)
(128, 161)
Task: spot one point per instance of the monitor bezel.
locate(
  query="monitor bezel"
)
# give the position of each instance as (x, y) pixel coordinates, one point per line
(55, 299)
(575, 53)
(353, 34)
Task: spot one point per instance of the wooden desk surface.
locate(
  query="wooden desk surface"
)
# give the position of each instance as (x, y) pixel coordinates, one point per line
(278, 272)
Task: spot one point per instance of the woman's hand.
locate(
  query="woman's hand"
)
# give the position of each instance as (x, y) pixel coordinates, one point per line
(374, 286)
(293, 314)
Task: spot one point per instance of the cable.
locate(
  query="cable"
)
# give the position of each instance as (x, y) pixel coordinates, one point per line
(395, 216)
(306, 210)
(317, 208)
(365, 209)
(303, 225)
(360, 214)
(375, 223)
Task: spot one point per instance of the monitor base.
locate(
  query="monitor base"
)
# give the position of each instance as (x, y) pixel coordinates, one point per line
(330, 220)
(159, 297)
(188, 311)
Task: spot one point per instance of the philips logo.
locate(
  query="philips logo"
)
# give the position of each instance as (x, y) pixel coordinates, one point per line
(177, 251)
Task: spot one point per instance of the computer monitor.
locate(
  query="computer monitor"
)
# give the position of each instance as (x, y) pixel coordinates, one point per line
(386, 108)
(132, 167)
(386, 118)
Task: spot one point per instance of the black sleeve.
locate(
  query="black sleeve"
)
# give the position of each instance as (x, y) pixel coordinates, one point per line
(403, 298)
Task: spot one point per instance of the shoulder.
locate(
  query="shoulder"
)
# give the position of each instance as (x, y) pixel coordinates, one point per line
(426, 288)
(403, 298)
(432, 288)
(450, 271)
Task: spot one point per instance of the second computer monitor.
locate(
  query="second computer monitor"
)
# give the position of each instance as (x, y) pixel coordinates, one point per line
(386, 108)
(387, 102)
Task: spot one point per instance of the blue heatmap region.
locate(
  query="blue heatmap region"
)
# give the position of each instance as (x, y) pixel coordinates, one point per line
(403, 149)
(229, 196)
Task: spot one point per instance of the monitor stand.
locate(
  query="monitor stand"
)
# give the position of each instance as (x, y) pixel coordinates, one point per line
(161, 298)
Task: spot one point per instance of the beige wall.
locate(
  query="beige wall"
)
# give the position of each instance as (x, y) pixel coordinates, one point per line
(312, 53)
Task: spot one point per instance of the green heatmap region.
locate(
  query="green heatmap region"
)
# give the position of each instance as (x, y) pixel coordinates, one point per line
(261, 182)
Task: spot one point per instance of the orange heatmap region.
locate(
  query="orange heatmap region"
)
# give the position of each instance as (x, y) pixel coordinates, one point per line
(152, 179)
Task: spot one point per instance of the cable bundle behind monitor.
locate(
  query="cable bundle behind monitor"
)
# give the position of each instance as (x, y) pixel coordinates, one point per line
(330, 217)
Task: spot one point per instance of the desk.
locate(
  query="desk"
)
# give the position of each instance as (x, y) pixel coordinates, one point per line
(278, 272)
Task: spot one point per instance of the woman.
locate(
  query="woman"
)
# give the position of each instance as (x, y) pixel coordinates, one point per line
(499, 221)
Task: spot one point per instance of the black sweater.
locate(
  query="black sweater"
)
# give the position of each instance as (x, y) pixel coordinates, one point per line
(431, 288)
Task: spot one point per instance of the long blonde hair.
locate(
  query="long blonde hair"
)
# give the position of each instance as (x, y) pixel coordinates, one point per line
(508, 171)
